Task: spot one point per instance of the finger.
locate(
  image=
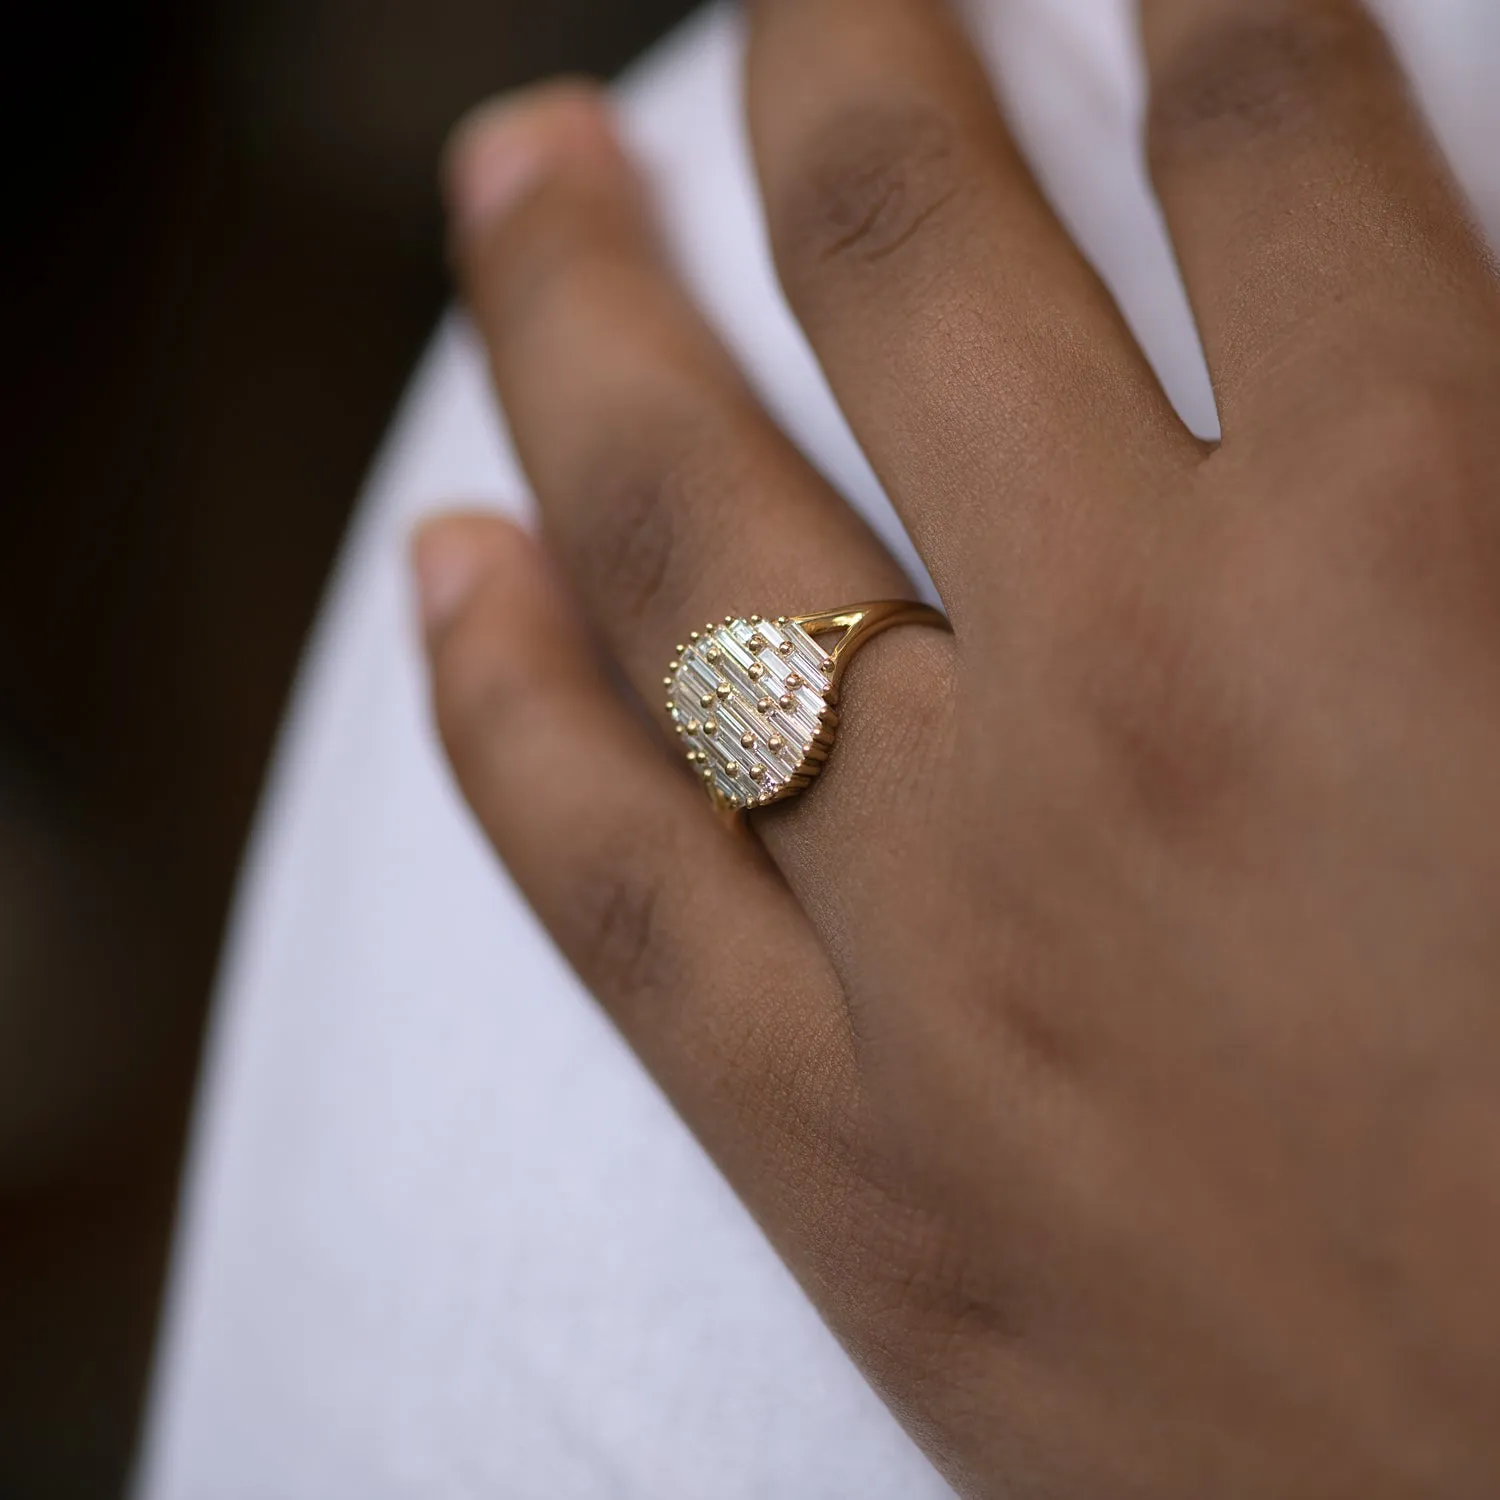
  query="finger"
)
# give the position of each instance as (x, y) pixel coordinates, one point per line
(1313, 216)
(667, 494)
(979, 359)
(687, 936)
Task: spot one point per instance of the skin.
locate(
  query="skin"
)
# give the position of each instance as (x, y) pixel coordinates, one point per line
(1110, 1039)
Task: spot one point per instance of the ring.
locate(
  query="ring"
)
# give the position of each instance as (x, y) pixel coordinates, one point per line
(756, 699)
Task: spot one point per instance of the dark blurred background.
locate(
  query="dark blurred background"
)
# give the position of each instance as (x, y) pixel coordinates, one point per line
(224, 254)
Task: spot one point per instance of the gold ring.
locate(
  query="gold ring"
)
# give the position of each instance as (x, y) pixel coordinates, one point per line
(756, 700)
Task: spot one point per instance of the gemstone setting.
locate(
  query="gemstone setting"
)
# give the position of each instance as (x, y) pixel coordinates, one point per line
(773, 715)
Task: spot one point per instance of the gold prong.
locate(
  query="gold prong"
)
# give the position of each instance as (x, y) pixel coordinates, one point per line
(732, 769)
(708, 773)
(710, 726)
(713, 654)
(729, 619)
(827, 664)
(724, 690)
(692, 635)
(765, 705)
(756, 671)
(706, 701)
(781, 619)
(693, 726)
(785, 648)
(757, 772)
(682, 650)
(787, 701)
(755, 619)
(794, 680)
(757, 643)
(774, 743)
(748, 740)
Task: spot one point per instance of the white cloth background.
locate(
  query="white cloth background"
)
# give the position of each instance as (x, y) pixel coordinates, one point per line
(442, 1238)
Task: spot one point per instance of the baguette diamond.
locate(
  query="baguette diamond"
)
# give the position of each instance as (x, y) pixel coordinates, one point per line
(769, 690)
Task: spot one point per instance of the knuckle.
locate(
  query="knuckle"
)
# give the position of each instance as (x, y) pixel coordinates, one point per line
(788, 1079)
(932, 1282)
(875, 179)
(1167, 692)
(625, 552)
(1409, 515)
(1262, 71)
(1407, 437)
(928, 1304)
(622, 944)
(629, 538)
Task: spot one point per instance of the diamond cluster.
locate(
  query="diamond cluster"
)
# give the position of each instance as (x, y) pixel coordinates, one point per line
(751, 700)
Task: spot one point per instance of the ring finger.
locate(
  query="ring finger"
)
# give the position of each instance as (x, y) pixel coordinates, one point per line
(665, 490)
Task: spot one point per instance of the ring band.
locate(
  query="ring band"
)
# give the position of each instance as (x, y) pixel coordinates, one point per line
(755, 700)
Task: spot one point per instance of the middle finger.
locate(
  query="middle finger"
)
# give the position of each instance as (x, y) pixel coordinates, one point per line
(982, 364)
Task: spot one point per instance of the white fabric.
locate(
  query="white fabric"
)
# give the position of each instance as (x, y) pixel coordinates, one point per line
(442, 1237)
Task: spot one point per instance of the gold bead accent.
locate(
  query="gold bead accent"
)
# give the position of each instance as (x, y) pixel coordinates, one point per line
(682, 728)
(781, 619)
(756, 671)
(827, 664)
(692, 635)
(724, 690)
(748, 740)
(709, 627)
(785, 648)
(673, 665)
(787, 701)
(713, 654)
(757, 642)
(732, 769)
(682, 650)
(708, 773)
(794, 680)
(692, 757)
(775, 742)
(706, 701)
(729, 619)
(755, 619)
(666, 682)
(710, 726)
(757, 773)
(765, 705)
(671, 707)
(693, 726)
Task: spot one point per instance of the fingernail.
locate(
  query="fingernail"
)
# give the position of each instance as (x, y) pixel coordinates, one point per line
(492, 159)
(448, 563)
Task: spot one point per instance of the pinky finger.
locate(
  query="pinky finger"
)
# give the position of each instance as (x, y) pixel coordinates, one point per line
(685, 934)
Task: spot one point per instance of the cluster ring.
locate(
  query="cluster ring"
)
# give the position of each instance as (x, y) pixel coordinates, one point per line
(755, 699)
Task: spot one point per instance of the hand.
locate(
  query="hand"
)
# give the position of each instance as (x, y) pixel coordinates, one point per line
(1110, 1039)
